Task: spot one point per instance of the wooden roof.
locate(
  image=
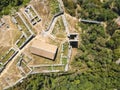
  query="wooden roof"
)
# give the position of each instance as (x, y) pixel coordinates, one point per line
(43, 49)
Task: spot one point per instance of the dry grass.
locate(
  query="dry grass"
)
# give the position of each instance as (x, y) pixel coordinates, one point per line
(16, 35)
(3, 83)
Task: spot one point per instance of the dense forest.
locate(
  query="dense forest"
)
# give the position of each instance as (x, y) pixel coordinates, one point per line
(7, 5)
(95, 67)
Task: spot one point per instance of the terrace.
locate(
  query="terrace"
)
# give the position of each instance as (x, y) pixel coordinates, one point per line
(48, 68)
(59, 29)
(27, 33)
(65, 47)
(21, 41)
(22, 26)
(8, 56)
(64, 60)
(64, 53)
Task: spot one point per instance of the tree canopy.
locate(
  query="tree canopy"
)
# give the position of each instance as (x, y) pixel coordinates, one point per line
(7, 5)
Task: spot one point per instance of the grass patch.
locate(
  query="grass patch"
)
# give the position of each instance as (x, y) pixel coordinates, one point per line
(61, 68)
(48, 68)
(7, 56)
(65, 48)
(3, 51)
(64, 60)
(38, 69)
(54, 6)
(1, 65)
(60, 35)
(21, 41)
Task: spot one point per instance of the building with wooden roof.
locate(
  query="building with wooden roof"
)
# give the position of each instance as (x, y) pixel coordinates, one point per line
(44, 49)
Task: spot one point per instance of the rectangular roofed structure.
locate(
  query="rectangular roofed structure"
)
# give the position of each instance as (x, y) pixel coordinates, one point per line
(44, 49)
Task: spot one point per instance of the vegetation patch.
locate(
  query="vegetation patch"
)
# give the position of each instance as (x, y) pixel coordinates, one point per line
(54, 6)
(65, 48)
(61, 68)
(7, 5)
(64, 60)
(7, 55)
(21, 41)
